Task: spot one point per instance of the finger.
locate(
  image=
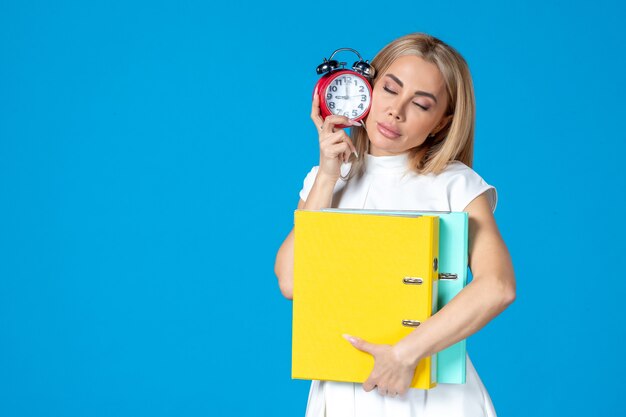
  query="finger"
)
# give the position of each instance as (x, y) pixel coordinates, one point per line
(347, 139)
(346, 156)
(331, 121)
(392, 391)
(340, 136)
(332, 139)
(369, 385)
(354, 123)
(349, 153)
(334, 151)
(337, 150)
(361, 344)
(328, 126)
(315, 111)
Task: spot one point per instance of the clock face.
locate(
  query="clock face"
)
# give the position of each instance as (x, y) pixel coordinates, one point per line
(348, 95)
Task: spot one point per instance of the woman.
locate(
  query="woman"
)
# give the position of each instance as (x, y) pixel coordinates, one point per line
(413, 153)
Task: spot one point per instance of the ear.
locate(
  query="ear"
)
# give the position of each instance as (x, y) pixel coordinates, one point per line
(442, 124)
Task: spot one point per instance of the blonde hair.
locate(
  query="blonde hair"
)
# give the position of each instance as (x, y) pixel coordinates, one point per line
(456, 140)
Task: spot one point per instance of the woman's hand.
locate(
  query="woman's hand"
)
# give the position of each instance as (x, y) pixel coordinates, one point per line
(335, 146)
(392, 373)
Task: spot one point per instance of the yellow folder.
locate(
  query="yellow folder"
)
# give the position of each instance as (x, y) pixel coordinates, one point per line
(370, 276)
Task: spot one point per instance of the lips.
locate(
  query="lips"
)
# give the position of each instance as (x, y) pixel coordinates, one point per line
(387, 130)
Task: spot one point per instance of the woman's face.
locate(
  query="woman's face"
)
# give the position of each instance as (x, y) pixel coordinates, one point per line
(408, 103)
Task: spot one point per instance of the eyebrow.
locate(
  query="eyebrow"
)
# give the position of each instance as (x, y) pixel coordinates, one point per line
(417, 93)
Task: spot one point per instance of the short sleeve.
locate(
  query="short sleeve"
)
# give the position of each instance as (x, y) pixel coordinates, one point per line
(308, 183)
(465, 185)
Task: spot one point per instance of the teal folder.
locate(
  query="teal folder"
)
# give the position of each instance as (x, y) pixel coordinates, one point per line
(453, 258)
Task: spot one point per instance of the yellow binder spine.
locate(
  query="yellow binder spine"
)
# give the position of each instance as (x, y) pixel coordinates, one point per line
(425, 376)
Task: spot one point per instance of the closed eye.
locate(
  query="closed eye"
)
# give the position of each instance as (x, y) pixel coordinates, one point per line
(394, 93)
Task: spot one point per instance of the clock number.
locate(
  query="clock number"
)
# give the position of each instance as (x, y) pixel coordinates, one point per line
(363, 97)
(331, 104)
(360, 106)
(354, 113)
(361, 89)
(346, 114)
(333, 88)
(338, 82)
(329, 96)
(357, 83)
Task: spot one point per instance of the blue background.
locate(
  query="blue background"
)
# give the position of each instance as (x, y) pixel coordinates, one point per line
(151, 155)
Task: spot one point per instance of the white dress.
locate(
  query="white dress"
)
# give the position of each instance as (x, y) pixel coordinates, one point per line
(388, 184)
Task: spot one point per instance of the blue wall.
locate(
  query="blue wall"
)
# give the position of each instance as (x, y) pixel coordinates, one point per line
(149, 171)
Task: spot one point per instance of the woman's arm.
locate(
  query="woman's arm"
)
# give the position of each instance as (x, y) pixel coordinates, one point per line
(320, 196)
(283, 267)
(491, 291)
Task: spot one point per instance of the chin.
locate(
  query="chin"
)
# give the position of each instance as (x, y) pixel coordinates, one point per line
(387, 145)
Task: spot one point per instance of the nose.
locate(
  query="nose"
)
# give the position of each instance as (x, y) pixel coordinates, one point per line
(396, 110)
(394, 113)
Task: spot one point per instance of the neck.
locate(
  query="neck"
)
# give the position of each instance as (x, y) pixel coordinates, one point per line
(420, 153)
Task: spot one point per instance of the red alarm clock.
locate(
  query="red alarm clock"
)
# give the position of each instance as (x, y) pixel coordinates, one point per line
(345, 92)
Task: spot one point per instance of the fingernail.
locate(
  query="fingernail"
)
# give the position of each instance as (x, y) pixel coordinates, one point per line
(349, 338)
(355, 123)
(355, 153)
